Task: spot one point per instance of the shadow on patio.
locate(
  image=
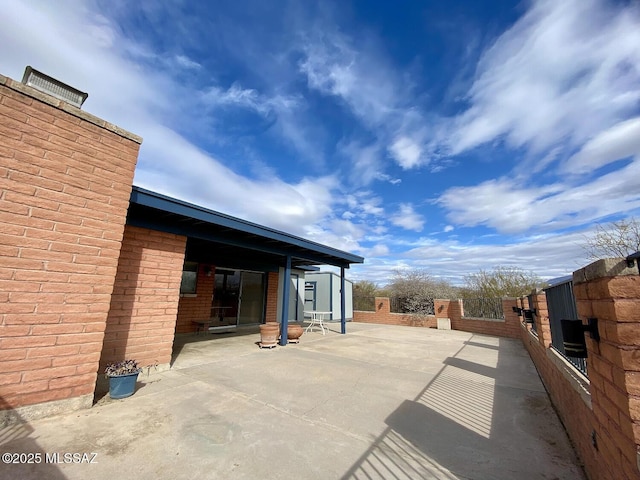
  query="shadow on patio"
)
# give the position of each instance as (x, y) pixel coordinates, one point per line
(463, 426)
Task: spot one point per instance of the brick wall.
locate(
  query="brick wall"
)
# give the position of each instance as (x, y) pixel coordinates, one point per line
(65, 181)
(451, 309)
(144, 305)
(197, 307)
(272, 298)
(601, 414)
(382, 315)
(610, 292)
(507, 327)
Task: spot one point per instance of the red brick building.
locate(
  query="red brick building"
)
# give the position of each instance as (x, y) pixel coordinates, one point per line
(93, 269)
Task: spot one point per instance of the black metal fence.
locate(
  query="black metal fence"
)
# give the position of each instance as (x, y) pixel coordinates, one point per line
(561, 304)
(483, 308)
(364, 303)
(415, 305)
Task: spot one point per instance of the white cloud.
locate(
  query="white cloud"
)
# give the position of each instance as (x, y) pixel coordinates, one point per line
(618, 142)
(505, 205)
(554, 76)
(146, 101)
(549, 256)
(373, 92)
(379, 250)
(187, 63)
(406, 152)
(407, 218)
(334, 66)
(449, 228)
(553, 84)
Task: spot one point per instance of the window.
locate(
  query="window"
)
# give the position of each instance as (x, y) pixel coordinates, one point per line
(189, 278)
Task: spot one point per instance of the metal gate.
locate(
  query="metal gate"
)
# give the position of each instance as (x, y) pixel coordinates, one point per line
(561, 304)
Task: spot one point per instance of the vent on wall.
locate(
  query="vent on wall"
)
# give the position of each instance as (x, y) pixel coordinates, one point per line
(47, 84)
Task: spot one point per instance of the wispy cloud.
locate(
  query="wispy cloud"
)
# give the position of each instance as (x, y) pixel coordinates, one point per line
(407, 218)
(554, 254)
(312, 127)
(621, 141)
(146, 101)
(373, 92)
(510, 207)
(566, 91)
(554, 77)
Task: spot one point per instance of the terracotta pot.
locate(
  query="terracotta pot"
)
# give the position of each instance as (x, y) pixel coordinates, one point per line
(277, 324)
(294, 332)
(269, 334)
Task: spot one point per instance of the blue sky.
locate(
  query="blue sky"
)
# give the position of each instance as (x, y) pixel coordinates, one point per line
(449, 136)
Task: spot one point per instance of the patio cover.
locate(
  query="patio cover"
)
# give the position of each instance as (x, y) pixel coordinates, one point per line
(221, 239)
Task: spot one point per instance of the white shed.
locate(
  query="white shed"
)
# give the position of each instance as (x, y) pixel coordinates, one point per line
(322, 293)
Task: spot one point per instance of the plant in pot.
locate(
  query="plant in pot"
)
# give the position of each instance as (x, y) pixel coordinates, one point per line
(122, 378)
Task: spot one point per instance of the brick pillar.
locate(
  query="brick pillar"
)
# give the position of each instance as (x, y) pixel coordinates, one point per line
(65, 182)
(383, 306)
(541, 317)
(456, 310)
(441, 308)
(511, 318)
(271, 311)
(610, 291)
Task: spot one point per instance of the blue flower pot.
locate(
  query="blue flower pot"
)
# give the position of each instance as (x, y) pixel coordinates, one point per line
(122, 386)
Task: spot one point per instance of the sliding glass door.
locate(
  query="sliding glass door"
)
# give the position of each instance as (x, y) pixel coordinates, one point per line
(238, 298)
(251, 309)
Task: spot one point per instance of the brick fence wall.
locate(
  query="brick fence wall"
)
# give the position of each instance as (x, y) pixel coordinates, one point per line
(65, 179)
(509, 326)
(601, 413)
(144, 305)
(383, 315)
(445, 309)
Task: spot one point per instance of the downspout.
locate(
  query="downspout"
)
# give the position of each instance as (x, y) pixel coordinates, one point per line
(343, 309)
(286, 287)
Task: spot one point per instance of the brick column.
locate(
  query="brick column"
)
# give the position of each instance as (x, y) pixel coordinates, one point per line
(610, 291)
(271, 310)
(383, 306)
(441, 308)
(144, 305)
(511, 319)
(541, 317)
(65, 182)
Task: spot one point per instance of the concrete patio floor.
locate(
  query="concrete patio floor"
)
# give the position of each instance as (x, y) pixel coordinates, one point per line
(380, 402)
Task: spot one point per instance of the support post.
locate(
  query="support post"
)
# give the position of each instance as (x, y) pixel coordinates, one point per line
(286, 287)
(343, 309)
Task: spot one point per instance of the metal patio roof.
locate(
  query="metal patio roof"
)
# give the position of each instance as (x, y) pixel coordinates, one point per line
(221, 239)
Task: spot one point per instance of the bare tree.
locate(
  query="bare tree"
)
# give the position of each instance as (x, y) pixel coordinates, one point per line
(616, 239)
(365, 288)
(416, 290)
(500, 282)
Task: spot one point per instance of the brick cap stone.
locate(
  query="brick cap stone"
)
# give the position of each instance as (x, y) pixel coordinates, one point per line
(606, 267)
(67, 107)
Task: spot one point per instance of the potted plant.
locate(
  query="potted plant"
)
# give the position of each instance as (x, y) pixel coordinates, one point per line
(122, 378)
